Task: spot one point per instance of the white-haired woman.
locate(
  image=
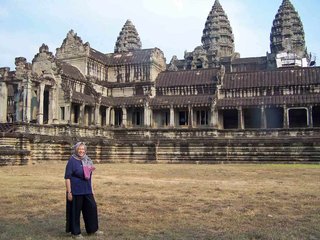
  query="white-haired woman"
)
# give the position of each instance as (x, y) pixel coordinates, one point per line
(80, 194)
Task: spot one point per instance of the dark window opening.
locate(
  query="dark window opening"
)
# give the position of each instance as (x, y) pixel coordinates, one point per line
(202, 117)
(230, 119)
(316, 116)
(45, 106)
(183, 118)
(118, 117)
(274, 117)
(252, 118)
(103, 115)
(199, 64)
(76, 113)
(62, 113)
(298, 118)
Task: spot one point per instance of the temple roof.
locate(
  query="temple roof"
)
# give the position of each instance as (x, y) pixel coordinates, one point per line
(98, 56)
(187, 78)
(217, 34)
(180, 100)
(130, 57)
(71, 72)
(287, 34)
(136, 101)
(279, 77)
(301, 99)
(128, 39)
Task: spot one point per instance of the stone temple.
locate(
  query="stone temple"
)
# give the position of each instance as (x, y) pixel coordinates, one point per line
(131, 106)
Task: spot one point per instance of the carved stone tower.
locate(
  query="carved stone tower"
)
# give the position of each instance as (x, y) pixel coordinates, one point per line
(217, 34)
(128, 39)
(287, 35)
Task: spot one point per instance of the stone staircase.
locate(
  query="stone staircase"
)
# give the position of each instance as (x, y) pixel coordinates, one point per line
(14, 151)
(167, 146)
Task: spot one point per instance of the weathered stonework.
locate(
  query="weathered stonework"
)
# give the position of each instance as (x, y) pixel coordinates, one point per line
(212, 106)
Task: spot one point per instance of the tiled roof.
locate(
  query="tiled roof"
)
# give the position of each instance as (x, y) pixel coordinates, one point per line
(195, 100)
(279, 77)
(71, 71)
(132, 57)
(270, 100)
(82, 98)
(99, 56)
(249, 60)
(187, 78)
(125, 84)
(123, 101)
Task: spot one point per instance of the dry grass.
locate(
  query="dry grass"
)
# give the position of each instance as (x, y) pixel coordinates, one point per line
(137, 201)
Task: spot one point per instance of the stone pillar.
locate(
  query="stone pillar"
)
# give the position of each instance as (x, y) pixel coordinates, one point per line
(108, 111)
(29, 98)
(214, 117)
(285, 117)
(53, 111)
(240, 118)
(40, 98)
(263, 118)
(96, 115)
(81, 115)
(3, 102)
(171, 116)
(190, 113)
(68, 113)
(310, 117)
(124, 117)
(146, 115)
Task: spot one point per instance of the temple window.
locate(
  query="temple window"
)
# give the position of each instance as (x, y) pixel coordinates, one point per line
(183, 118)
(202, 117)
(316, 116)
(298, 117)
(62, 113)
(230, 119)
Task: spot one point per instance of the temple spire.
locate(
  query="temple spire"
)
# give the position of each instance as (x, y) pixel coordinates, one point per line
(128, 39)
(287, 34)
(217, 34)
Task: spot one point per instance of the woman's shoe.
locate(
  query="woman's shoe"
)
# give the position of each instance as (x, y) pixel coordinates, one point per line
(79, 236)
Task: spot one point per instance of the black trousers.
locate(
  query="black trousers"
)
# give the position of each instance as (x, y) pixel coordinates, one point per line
(87, 205)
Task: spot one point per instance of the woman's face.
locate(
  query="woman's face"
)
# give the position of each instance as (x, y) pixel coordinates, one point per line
(81, 151)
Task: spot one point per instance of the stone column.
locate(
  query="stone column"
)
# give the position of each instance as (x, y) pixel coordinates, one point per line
(29, 98)
(68, 113)
(81, 115)
(214, 117)
(190, 113)
(27, 95)
(171, 116)
(40, 98)
(146, 115)
(3, 102)
(263, 118)
(124, 117)
(108, 110)
(96, 115)
(240, 118)
(52, 106)
(310, 117)
(285, 117)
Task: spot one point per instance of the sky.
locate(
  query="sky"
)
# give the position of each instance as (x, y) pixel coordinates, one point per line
(174, 26)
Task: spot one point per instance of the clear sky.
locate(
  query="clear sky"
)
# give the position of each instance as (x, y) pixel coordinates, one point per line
(171, 25)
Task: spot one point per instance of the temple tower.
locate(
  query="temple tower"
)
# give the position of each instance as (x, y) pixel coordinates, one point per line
(128, 39)
(217, 34)
(287, 35)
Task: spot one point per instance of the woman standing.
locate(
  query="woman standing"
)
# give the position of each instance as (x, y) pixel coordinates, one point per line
(80, 195)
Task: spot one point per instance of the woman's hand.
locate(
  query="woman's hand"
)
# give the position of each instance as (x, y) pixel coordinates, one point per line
(69, 196)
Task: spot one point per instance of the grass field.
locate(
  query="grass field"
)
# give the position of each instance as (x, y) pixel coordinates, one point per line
(163, 201)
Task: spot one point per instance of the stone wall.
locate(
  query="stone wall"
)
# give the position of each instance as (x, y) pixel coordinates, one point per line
(30, 144)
